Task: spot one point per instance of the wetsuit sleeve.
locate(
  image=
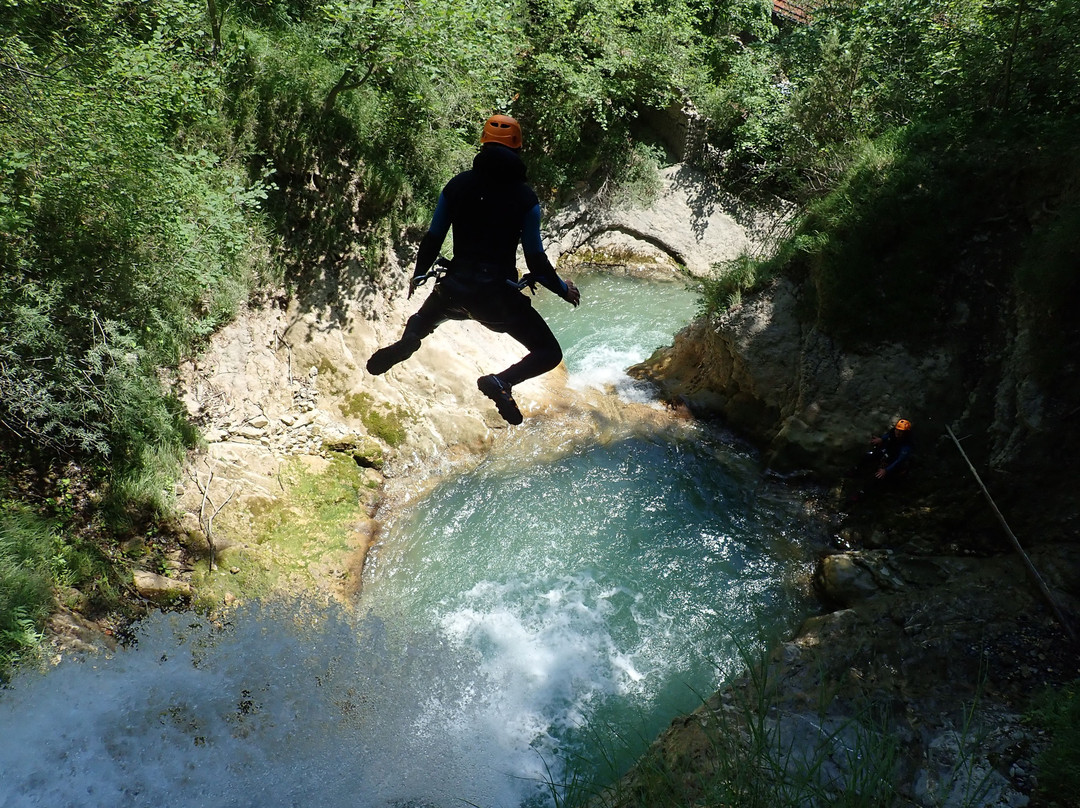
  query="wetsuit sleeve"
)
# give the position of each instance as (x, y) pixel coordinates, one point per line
(433, 239)
(901, 456)
(535, 257)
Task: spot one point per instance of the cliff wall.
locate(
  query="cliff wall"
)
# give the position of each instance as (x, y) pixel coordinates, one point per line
(770, 372)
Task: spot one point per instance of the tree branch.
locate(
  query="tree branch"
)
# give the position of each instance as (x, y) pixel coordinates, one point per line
(345, 83)
(216, 18)
(206, 523)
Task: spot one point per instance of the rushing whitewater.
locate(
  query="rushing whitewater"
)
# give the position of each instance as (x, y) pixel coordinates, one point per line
(621, 322)
(286, 706)
(534, 621)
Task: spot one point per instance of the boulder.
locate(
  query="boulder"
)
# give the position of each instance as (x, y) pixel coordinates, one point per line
(158, 588)
(847, 578)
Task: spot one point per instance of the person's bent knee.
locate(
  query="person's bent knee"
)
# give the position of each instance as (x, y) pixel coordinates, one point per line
(548, 358)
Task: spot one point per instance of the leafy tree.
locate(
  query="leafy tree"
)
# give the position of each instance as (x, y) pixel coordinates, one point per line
(125, 240)
(590, 68)
(444, 41)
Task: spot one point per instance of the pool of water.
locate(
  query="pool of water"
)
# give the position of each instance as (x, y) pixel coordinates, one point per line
(598, 586)
(595, 596)
(536, 619)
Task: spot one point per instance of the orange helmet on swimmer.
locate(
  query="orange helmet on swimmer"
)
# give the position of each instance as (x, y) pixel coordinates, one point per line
(502, 129)
(903, 425)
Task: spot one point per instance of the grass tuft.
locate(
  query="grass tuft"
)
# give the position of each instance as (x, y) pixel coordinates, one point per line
(26, 554)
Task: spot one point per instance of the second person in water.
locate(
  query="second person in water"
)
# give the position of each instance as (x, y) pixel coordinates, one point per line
(492, 210)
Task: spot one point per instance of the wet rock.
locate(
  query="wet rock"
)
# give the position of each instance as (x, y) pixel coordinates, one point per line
(70, 632)
(158, 588)
(942, 653)
(847, 578)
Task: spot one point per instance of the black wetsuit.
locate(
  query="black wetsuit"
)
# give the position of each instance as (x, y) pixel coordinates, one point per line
(893, 454)
(491, 210)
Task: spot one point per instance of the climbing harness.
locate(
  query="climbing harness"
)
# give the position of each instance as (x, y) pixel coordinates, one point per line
(442, 266)
(438, 269)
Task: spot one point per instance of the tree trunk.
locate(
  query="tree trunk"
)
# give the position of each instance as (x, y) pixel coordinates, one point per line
(215, 23)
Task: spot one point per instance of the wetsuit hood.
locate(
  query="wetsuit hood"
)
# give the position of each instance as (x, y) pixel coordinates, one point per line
(499, 163)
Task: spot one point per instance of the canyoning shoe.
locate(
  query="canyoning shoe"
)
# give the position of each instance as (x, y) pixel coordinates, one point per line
(493, 388)
(385, 358)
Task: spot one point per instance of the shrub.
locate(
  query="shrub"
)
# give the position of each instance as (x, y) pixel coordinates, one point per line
(730, 280)
(128, 232)
(26, 548)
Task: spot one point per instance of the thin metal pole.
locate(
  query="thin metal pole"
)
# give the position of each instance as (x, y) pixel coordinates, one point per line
(1016, 543)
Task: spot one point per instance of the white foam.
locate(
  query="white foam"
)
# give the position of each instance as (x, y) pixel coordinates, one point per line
(604, 368)
(273, 712)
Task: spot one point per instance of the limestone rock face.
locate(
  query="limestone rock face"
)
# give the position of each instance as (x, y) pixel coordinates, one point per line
(791, 388)
(765, 369)
(692, 223)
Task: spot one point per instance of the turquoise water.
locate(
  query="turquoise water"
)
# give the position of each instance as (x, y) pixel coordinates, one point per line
(620, 322)
(602, 586)
(537, 618)
(597, 595)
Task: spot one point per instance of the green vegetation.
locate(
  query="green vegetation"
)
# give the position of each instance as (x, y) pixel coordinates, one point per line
(284, 543)
(386, 422)
(164, 162)
(1058, 712)
(26, 548)
(39, 568)
(919, 137)
(588, 68)
(757, 763)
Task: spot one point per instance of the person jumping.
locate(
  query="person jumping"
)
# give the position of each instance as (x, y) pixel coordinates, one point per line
(491, 209)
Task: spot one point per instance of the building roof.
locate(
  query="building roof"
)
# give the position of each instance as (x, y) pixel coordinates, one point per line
(795, 10)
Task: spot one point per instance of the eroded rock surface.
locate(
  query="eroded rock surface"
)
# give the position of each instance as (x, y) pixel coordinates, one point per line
(692, 223)
(792, 389)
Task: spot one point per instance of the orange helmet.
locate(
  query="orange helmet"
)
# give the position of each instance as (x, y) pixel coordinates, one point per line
(902, 425)
(502, 129)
